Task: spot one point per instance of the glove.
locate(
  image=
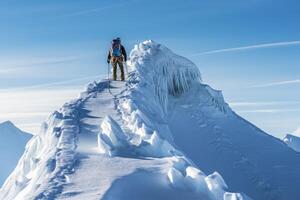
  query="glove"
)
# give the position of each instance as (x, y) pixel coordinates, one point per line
(108, 61)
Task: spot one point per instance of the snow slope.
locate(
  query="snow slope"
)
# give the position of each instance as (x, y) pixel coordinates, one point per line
(209, 133)
(12, 145)
(292, 141)
(161, 135)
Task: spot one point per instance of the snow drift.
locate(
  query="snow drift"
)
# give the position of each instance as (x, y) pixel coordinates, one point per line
(164, 127)
(12, 146)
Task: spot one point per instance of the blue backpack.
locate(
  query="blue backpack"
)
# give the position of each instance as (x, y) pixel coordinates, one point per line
(116, 48)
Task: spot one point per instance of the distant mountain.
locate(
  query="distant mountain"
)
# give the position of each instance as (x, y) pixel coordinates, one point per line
(292, 141)
(12, 146)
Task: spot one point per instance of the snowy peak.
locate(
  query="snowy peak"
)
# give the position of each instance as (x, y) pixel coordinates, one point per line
(8, 129)
(162, 62)
(12, 145)
(168, 72)
(8, 125)
(292, 141)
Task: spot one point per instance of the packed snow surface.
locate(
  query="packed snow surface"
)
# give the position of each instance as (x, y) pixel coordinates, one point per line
(12, 146)
(292, 141)
(161, 135)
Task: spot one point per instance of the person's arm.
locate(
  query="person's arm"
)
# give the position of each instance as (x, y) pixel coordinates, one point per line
(108, 57)
(124, 53)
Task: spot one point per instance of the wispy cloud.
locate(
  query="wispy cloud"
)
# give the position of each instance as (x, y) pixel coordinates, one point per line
(29, 62)
(95, 10)
(289, 82)
(8, 71)
(262, 103)
(250, 47)
(24, 66)
(53, 84)
(88, 11)
(28, 108)
(266, 107)
(14, 115)
(269, 110)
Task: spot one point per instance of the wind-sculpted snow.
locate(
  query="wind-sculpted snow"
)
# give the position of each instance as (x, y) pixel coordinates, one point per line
(156, 74)
(196, 125)
(167, 72)
(49, 157)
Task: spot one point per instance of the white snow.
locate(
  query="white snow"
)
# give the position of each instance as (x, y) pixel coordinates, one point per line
(161, 135)
(292, 141)
(12, 145)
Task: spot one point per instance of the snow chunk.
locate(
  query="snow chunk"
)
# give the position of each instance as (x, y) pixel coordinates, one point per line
(176, 178)
(215, 180)
(292, 141)
(111, 138)
(183, 175)
(233, 196)
(156, 146)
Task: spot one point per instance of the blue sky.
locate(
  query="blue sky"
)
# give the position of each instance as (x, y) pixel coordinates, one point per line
(248, 49)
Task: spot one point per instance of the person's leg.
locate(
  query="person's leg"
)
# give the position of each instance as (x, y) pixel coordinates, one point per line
(122, 70)
(114, 65)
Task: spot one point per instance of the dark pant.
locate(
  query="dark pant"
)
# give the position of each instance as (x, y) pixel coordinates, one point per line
(114, 64)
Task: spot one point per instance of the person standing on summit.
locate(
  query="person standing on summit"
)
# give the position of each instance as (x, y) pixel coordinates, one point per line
(116, 56)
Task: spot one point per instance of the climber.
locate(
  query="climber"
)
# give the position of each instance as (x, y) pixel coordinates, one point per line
(116, 56)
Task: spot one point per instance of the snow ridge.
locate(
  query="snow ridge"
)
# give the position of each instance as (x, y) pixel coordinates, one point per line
(48, 159)
(50, 156)
(156, 74)
(142, 131)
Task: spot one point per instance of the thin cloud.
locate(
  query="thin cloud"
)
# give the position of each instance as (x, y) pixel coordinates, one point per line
(12, 67)
(268, 110)
(94, 10)
(251, 47)
(8, 71)
(38, 61)
(14, 115)
(88, 11)
(279, 83)
(262, 103)
(52, 84)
